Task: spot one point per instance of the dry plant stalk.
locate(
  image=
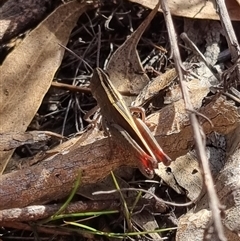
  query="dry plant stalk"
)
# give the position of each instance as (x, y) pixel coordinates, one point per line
(231, 75)
(197, 130)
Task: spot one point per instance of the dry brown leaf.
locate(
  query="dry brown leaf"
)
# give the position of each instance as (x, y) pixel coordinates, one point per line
(125, 68)
(192, 226)
(146, 221)
(201, 9)
(177, 120)
(157, 84)
(183, 176)
(228, 184)
(227, 187)
(27, 72)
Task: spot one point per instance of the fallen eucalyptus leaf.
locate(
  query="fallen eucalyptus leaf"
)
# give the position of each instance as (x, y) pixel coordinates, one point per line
(183, 176)
(124, 67)
(152, 88)
(146, 221)
(201, 9)
(27, 72)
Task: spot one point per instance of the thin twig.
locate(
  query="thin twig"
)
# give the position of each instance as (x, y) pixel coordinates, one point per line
(99, 44)
(232, 74)
(200, 148)
(196, 51)
(72, 88)
(160, 200)
(229, 31)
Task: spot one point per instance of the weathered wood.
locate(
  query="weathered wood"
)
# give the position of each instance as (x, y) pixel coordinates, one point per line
(55, 177)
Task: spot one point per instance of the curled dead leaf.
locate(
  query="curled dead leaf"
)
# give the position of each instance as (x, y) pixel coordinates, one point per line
(124, 67)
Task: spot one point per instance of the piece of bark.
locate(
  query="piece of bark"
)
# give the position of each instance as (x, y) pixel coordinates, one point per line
(174, 132)
(54, 178)
(37, 212)
(11, 140)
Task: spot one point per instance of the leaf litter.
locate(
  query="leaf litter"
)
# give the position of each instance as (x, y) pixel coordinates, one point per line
(229, 125)
(30, 68)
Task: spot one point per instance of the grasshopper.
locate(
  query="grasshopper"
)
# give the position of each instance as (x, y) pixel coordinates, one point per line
(129, 129)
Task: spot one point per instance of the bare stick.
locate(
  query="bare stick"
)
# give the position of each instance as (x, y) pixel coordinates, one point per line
(196, 51)
(233, 73)
(54, 178)
(38, 212)
(229, 31)
(198, 135)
